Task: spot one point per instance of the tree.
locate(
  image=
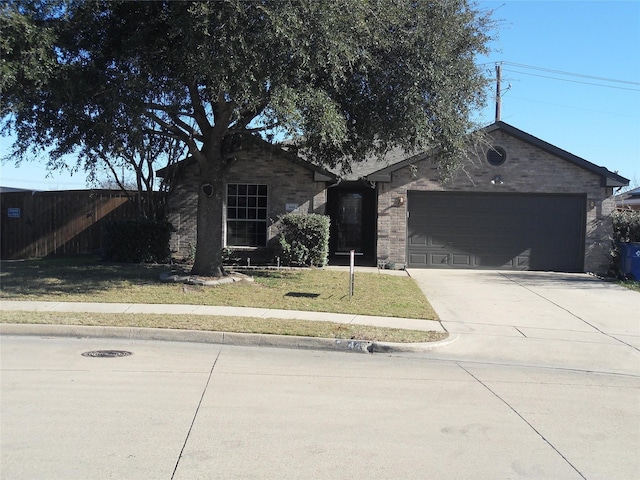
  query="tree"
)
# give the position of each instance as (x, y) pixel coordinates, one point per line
(131, 150)
(341, 79)
(99, 147)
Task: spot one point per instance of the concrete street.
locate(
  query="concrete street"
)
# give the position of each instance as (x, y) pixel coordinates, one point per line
(193, 411)
(542, 381)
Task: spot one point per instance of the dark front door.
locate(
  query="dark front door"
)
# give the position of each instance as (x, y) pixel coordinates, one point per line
(352, 212)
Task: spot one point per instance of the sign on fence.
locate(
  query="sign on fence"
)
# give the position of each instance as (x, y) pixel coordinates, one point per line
(13, 212)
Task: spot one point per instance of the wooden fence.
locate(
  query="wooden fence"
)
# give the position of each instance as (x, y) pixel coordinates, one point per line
(37, 224)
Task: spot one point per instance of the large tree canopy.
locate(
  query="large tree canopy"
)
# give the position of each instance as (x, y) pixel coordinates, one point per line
(341, 79)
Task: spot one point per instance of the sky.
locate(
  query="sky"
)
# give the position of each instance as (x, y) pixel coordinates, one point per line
(570, 76)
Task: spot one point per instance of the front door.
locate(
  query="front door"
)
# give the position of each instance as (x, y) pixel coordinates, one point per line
(352, 212)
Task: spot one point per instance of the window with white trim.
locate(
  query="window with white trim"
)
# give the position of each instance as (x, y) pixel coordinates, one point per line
(246, 215)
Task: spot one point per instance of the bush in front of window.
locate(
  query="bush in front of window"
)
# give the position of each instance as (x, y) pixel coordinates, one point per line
(304, 239)
(137, 241)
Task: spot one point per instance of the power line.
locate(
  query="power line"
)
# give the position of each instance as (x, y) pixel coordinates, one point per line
(574, 107)
(572, 74)
(499, 65)
(560, 72)
(577, 81)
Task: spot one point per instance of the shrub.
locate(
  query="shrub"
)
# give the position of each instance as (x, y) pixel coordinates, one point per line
(137, 241)
(626, 228)
(304, 239)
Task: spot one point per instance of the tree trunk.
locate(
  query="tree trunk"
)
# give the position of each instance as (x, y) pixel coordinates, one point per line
(209, 242)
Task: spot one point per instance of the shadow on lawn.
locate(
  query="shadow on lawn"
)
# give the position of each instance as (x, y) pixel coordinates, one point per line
(302, 295)
(70, 275)
(88, 274)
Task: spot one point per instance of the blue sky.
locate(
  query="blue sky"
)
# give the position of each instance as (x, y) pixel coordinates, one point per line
(583, 113)
(601, 122)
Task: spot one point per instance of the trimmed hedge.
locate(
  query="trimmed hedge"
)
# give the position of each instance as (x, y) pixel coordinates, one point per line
(137, 241)
(304, 239)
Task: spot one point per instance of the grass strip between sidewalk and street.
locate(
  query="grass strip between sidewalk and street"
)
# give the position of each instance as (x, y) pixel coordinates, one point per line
(271, 326)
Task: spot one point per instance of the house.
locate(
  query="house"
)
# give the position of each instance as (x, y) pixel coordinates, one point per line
(629, 200)
(518, 203)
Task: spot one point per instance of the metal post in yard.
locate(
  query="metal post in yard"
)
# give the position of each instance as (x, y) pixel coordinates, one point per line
(352, 273)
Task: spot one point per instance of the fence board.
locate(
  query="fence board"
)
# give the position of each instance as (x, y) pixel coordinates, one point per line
(37, 224)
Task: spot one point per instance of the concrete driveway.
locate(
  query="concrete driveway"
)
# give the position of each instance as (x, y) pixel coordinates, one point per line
(536, 318)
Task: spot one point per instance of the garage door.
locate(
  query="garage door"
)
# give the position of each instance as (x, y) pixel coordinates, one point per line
(496, 230)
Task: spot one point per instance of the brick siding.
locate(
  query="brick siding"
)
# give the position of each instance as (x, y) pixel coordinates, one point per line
(287, 183)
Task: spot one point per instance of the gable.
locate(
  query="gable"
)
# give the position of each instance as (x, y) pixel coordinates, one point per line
(609, 178)
(606, 177)
(268, 153)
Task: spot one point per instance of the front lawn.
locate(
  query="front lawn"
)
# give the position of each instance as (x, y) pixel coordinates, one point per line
(87, 279)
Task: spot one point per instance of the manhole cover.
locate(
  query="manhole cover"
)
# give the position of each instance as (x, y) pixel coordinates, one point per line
(107, 353)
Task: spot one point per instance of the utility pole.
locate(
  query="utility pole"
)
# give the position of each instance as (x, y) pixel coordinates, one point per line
(498, 94)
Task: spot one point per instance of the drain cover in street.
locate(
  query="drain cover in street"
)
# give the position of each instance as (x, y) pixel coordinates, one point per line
(107, 353)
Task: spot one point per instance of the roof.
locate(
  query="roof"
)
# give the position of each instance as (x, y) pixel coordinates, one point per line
(363, 169)
(379, 169)
(13, 189)
(608, 178)
(635, 193)
(630, 198)
(320, 174)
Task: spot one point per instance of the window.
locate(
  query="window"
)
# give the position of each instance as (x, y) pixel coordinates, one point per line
(246, 215)
(496, 156)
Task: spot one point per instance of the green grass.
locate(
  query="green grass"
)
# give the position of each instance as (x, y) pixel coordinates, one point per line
(630, 284)
(87, 279)
(227, 324)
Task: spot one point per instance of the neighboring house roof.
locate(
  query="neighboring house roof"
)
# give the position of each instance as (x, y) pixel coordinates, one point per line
(635, 193)
(629, 199)
(13, 189)
(608, 178)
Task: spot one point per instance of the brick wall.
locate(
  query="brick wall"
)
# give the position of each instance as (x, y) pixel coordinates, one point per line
(288, 182)
(527, 169)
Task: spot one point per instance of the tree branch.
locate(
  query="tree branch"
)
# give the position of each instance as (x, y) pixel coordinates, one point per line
(246, 115)
(187, 137)
(107, 161)
(199, 113)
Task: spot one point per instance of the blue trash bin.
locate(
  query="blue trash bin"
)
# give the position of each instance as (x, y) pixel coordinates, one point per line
(630, 260)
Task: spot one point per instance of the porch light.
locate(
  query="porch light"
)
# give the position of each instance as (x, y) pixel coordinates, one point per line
(400, 200)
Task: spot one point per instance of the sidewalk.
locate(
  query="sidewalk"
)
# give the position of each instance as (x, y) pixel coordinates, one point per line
(219, 337)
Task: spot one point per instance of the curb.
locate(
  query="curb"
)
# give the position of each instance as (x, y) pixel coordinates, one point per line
(223, 338)
(388, 347)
